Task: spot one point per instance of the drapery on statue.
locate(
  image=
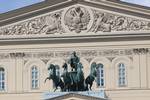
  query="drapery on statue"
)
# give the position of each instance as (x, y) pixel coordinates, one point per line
(72, 80)
(73, 61)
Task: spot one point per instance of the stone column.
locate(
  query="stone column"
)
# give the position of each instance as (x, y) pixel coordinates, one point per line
(19, 71)
(148, 69)
(135, 71)
(140, 64)
(143, 66)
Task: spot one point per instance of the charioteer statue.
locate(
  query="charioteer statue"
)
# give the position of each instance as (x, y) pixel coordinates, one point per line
(74, 61)
(72, 80)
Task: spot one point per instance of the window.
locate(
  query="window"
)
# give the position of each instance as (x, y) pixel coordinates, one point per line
(100, 75)
(121, 74)
(2, 79)
(35, 76)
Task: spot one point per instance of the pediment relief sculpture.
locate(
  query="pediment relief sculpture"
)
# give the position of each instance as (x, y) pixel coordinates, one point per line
(76, 19)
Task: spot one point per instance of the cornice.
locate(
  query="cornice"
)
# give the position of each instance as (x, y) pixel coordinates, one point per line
(32, 11)
(75, 39)
(49, 5)
(72, 21)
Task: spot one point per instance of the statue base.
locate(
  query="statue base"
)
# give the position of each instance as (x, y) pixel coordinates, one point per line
(92, 94)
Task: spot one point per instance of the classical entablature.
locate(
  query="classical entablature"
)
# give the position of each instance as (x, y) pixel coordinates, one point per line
(78, 18)
(85, 53)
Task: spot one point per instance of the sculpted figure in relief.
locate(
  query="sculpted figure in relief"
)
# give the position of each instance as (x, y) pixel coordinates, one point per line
(120, 23)
(18, 29)
(103, 22)
(34, 26)
(52, 24)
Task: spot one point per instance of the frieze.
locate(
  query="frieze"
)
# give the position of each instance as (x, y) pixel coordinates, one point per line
(75, 19)
(66, 54)
(62, 54)
(4, 56)
(107, 22)
(88, 53)
(115, 52)
(48, 24)
(17, 55)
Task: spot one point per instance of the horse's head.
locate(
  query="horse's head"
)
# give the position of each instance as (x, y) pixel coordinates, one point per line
(65, 66)
(79, 65)
(51, 66)
(93, 68)
(52, 70)
(99, 66)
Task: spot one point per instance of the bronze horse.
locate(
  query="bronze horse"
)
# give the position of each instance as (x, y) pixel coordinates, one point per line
(56, 79)
(73, 80)
(66, 78)
(91, 77)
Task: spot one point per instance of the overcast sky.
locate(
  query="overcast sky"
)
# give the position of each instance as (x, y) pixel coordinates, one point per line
(7, 5)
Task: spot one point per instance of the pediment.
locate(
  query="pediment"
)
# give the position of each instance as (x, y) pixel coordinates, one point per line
(77, 20)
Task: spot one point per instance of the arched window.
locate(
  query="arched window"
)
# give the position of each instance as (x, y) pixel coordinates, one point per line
(2, 79)
(121, 74)
(34, 77)
(100, 75)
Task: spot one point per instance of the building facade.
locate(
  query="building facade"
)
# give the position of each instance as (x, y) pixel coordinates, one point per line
(113, 34)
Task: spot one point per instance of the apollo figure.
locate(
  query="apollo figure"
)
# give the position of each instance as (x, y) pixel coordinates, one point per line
(74, 61)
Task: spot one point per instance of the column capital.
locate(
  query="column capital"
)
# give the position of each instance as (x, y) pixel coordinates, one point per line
(140, 50)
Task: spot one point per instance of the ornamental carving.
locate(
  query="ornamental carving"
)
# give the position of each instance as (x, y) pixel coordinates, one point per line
(17, 55)
(75, 19)
(48, 24)
(141, 50)
(107, 22)
(88, 53)
(52, 24)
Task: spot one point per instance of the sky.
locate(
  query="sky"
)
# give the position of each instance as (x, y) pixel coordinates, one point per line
(140, 2)
(7, 5)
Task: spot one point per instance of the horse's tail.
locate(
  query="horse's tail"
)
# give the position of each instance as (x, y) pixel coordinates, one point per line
(46, 79)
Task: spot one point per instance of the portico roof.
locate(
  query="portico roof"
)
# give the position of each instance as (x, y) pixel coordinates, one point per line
(55, 21)
(50, 5)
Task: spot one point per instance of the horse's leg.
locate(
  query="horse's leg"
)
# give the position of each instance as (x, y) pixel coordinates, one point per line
(77, 88)
(69, 87)
(86, 87)
(55, 89)
(91, 86)
(65, 88)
